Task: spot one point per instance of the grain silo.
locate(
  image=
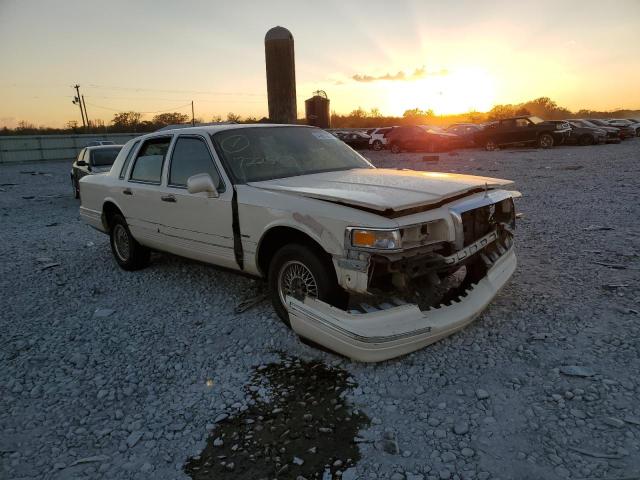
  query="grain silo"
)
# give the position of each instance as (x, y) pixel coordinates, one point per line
(281, 75)
(317, 110)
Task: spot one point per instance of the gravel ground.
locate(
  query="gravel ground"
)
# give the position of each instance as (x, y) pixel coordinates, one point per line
(106, 373)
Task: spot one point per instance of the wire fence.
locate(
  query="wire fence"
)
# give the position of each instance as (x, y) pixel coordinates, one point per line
(31, 148)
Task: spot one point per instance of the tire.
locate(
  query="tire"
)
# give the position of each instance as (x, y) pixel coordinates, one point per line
(395, 148)
(76, 189)
(490, 145)
(585, 140)
(545, 140)
(303, 265)
(129, 254)
(377, 145)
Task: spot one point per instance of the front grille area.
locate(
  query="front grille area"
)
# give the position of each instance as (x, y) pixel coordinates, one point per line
(478, 222)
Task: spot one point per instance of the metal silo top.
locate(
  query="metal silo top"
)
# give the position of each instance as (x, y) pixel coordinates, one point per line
(278, 33)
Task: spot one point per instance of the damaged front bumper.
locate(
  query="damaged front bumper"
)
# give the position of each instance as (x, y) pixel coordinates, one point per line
(398, 330)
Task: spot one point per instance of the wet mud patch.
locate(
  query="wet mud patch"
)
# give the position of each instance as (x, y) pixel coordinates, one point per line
(300, 425)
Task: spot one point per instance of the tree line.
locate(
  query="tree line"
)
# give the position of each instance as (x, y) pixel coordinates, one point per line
(133, 122)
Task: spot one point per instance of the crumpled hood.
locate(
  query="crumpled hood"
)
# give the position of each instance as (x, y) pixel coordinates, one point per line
(380, 188)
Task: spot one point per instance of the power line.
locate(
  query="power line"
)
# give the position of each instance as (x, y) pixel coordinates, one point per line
(157, 111)
(193, 92)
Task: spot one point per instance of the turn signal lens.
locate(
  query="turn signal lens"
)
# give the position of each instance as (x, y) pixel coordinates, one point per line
(382, 239)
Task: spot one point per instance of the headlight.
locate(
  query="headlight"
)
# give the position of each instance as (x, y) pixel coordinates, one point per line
(378, 239)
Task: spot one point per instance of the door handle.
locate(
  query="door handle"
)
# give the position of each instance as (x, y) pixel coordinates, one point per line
(168, 198)
(127, 191)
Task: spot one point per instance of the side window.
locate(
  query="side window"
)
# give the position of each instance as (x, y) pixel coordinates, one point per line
(148, 165)
(522, 122)
(191, 156)
(127, 160)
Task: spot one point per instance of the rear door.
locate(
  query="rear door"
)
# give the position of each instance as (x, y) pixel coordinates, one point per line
(507, 132)
(140, 196)
(196, 225)
(524, 130)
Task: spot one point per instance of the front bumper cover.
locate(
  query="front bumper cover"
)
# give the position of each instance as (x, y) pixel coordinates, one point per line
(385, 334)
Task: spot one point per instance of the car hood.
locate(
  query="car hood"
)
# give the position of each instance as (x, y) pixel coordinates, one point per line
(382, 189)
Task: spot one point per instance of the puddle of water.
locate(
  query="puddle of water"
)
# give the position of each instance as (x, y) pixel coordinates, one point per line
(305, 428)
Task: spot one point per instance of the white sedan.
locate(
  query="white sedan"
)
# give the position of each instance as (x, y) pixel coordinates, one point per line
(371, 263)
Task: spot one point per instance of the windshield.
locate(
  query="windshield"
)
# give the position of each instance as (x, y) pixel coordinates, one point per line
(104, 157)
(265, 153)
(535, 120)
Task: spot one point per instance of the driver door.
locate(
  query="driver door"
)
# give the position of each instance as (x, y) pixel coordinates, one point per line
(196, 225)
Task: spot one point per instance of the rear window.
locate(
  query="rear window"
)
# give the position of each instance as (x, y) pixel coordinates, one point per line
(104, 156)
(148, 166)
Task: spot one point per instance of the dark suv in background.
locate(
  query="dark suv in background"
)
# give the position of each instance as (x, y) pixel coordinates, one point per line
(522, 130)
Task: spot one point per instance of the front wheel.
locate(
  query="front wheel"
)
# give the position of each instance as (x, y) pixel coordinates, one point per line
(545, 140)
(490, 145)
(298, 271)
(377, 145)
(129, 254)
(586, 140)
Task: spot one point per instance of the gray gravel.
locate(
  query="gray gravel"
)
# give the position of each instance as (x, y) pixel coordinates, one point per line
(106, 373)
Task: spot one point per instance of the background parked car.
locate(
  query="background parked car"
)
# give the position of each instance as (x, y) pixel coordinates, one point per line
(625, 131)
(581, 135)
(522, 130)
(417, 138)
(357, 140)
(91, 160)
(97, 143)
(466, 132)
(626, 123)
(613, 133)
(378, 139)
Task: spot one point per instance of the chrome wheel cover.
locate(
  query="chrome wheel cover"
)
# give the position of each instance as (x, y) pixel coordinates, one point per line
(546, 141)
(296, 280)
(121, 242)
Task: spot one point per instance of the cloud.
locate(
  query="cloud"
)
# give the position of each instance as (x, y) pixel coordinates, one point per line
(418, 73)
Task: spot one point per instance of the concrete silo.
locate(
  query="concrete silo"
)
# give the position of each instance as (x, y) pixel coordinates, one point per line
(281, 75)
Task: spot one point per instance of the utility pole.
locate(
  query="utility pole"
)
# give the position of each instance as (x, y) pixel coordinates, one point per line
(85, 111)
(193, 117)
(77, 100)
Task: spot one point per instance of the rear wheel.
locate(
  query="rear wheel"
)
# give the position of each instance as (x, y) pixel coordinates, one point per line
(299, 271)
(129, 254)
(545, 140)
(76, 189)
(490, 145)
(377, 145)
(395, 148)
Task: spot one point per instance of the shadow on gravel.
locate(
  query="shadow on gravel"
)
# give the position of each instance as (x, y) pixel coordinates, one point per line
(299, 426)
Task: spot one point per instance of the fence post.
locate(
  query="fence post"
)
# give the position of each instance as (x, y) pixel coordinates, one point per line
(40, 148)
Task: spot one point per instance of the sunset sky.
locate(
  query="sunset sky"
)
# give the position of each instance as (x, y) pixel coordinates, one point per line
(152, 56)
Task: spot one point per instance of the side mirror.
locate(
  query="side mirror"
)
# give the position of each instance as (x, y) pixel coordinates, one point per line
(81, 163)
(202, 182)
